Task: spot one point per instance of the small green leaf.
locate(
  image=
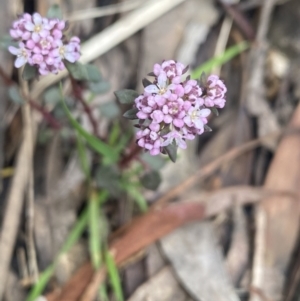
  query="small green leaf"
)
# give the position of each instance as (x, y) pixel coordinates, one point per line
(6, 41)
(151, 180)
(126, 96)
(109, 110)
(14, 95)
(99, 88)
(146, 82)
(93, 73)
(171, 150)
(131, 114)
(52, 96)
(77, 70)
(207, 128)
(155, 162)
(215, 111)
(29, 72)
(108, 177)
(55, 12)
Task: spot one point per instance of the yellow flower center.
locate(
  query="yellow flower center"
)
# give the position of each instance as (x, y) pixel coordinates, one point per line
(44, 43)
(62, 50)
(162, 91)
(37, 28)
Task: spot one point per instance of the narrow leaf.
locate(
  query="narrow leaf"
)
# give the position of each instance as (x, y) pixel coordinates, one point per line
(229, 54)
(114, 276)
(138, 197)
(95, 235)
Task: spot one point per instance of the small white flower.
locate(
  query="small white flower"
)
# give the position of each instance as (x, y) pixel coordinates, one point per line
(22, 54)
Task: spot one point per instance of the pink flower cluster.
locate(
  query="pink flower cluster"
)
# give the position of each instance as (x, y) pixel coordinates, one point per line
(174, 109)
(41, 43)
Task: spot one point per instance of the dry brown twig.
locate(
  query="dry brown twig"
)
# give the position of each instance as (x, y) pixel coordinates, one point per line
(15, 198)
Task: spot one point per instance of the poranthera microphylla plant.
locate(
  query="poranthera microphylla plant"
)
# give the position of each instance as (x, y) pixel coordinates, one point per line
(42, 43)
(173, 108)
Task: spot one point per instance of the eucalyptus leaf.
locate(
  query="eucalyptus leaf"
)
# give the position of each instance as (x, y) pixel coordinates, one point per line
(55, 12)
(126, 96)
(14, 95)
(29, 72)
(171, 150)
(131, 114)
(151, 180)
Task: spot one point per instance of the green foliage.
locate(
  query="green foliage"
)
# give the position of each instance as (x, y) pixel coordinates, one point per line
(95, 235)
(52, 95)
(229, 54)
(100, 147)
(6, 41)
(55, 12)
(99, 87)
(73, 237)
(110, 110)
(114, 276)
(14, 95)
(155, 162)
(29, 72)
(171, 150)
(134, 192)
(151, 180)
(126, 96)
(131, 114)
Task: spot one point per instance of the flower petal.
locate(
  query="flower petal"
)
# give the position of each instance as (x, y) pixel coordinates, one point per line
(20, 61)
(13, 50)
(29, 26)
(70, 57)
(37, 19)
(151, 89)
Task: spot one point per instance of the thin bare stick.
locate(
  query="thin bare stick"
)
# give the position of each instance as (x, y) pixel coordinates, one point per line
(32, 259)
(15, 198)
(107, 10)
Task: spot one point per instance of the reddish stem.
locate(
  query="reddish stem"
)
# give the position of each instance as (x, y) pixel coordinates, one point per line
(77, 92)
(48, 117)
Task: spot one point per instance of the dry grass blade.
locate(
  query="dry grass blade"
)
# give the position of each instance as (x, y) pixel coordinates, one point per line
(15, 197)
(278, 219)
(150, 227)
